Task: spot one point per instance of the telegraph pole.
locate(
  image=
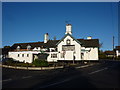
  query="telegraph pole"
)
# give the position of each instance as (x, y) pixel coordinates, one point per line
(113, 48)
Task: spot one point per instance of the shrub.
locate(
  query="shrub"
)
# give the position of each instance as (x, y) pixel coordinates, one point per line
(102, 55)
(9, 61)
(118, 58)
(40, 63)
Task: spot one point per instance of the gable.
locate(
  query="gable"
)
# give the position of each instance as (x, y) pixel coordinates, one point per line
(68, 36)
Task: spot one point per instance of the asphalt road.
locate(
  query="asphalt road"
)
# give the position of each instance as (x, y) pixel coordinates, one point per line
(102, 75)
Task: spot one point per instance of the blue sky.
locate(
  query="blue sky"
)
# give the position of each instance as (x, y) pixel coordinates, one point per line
(29, 21)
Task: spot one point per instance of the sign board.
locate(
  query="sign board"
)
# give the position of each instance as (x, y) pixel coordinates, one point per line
(68, 47)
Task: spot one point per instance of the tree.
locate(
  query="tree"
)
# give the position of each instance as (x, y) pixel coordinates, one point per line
(102, 55)
(54, 37)
(100, 45)
(6, 46)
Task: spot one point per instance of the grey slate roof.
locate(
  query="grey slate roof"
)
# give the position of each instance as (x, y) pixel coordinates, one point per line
(49, 44)
(52, 44)
(89, 42)
(117, 47)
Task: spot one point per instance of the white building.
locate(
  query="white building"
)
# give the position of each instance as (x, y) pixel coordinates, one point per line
(66, 49)
(117, 49)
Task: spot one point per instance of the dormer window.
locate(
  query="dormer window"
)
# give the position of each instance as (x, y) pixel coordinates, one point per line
(68, 41)
(18, 48)
(28, 47)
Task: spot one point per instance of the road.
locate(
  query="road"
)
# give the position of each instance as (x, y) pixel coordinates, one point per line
(105, 74)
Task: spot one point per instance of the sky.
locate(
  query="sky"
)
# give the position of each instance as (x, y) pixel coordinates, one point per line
(28, 21)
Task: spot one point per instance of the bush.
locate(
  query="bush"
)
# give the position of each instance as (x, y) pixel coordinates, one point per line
(40, 63)
(10, 61)
(118, 58)
(102, 55)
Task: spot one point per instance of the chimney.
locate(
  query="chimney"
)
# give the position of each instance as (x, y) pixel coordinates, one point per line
(46, 38)
(68, 29)
(89, 37)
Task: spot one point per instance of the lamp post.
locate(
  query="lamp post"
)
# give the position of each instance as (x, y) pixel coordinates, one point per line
(74, 57)
(113, 49)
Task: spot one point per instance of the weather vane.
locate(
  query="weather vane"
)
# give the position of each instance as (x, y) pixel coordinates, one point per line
(67, 21)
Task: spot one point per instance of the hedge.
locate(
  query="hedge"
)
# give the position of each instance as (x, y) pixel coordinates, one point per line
(40, 63)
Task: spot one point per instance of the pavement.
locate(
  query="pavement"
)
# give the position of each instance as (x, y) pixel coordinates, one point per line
(30, 68)
(105, 74)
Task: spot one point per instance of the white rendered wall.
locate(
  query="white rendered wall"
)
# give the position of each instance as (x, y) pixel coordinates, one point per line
(68, 29)
(46, 38)
(117, 53)
(92, 55)
(73, 42)
(69, 55)
(25, 59)
(49, 59)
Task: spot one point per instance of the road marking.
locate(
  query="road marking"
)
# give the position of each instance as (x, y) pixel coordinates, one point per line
(84, 66)
(55, 83)
(6, 80)
(26, 77)
(98, 71)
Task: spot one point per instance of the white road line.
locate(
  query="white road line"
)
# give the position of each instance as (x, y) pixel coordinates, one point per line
(98, 71)
(26, 77)
(84, 66)
(6, 80)
(55, 83)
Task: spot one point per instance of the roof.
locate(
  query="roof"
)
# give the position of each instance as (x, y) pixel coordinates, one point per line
(53, 44)
(89, 42)
(49, 44)
(117, 47)
(109, 52)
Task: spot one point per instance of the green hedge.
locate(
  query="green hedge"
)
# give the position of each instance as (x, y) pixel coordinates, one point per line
(40, 63)
(11, 62)
(37, 63)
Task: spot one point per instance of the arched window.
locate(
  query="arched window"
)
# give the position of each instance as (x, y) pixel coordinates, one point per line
(68, 42)
(28, 47)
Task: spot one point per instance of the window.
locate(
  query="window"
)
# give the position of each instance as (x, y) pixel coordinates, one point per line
(28, 47)
(27, 55)
(18, 48)
(22, 55)
(68, 42)
(18, 55)
(53, 55)
(118, 51)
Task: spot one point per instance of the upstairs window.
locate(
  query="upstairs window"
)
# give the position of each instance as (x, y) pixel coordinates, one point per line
(18, 55)
(18, 48)
(68, 42)
(118, 51)
(28, 47)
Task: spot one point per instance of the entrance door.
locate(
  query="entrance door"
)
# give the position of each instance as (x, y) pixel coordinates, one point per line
(69, 55)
